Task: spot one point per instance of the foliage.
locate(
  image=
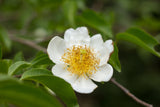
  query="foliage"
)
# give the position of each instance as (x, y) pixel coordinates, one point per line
(25, 73)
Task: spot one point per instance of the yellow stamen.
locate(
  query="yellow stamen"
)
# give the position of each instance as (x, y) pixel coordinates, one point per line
(80, 60)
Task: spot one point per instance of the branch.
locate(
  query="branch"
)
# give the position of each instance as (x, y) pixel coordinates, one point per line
(28, 43)
(125, 90)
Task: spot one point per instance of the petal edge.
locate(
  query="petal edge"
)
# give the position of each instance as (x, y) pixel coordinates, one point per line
(56, 48)
(104, 74)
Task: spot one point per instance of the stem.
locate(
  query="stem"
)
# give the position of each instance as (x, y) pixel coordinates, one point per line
(28, 43)
(125, 90)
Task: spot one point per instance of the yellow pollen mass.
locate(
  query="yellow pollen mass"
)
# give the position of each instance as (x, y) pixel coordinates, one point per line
(80, 60)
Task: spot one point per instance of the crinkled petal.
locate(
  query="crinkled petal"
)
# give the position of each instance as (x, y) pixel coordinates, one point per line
(104, 73)
(79, 36)
(105, 52)
(56, 48)
(96, 42)
(109, 45)
(103, 55)
(59, 71)
(84, 85)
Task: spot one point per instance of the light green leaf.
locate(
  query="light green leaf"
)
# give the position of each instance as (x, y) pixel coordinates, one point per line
(140, 38)
(61, 88)
(23, 95)
(114, 60)
(4, 39)
(14, 68)
(96, 21)
(18, 57)
(69, 9)
(41, 59)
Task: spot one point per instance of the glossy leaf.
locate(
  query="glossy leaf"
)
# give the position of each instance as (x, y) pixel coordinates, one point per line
(114, 59)
(23, 95)
(96, 21)
(41, 59)
(61, 88)
(4, 39)
(140, 38)
(14, 68)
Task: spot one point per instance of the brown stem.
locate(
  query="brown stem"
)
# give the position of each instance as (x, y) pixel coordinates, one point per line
(28, 43)
(125, 90)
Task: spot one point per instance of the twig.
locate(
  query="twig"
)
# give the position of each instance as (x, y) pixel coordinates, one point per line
(130, 94)
(125, 90)
(28, 43)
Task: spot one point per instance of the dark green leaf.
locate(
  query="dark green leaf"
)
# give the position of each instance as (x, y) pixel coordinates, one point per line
(61, 88)
(14, 68)
(140, 38)
(23, 95)
(4, 39)
(96, 21)
(0, 52)
(114, 60)
(3, 67)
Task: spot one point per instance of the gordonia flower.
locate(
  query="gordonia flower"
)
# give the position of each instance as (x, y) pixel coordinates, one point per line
(79, 58)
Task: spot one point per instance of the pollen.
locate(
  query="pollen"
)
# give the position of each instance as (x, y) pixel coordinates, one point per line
(80, 60)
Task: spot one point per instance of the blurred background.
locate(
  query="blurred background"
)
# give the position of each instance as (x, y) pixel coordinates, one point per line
(40, 20)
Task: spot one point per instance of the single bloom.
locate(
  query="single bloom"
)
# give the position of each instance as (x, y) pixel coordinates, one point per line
(79, 58)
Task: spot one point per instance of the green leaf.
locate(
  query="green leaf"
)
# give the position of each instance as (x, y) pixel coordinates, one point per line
(0, 52)
(96, 21)
(41, 59)
(14, 68)
(61, 88)
(4, 39)
(114, 59)
(18, 57)
(140, 38)
(3, 67)
(69, 9)
(23, 95)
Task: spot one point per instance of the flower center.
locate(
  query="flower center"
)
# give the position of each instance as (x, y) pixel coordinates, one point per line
(80, 60)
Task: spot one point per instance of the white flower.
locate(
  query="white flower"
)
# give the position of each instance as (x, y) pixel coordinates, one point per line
(79, 58)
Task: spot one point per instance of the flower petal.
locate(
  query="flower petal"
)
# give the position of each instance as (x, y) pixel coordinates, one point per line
(79, 36)
(96, 42)
(56, 49)
(59, 71)
(104, 73)
(79, 84)
(109, 45)
(105, 52)
(84, 85)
